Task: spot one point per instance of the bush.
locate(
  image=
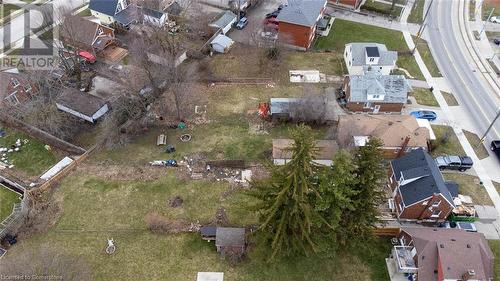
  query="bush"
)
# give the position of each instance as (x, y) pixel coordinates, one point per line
(273, 53)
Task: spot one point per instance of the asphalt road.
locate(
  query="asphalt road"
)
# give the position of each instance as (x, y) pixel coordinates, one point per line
(17, 25)
(478, 99)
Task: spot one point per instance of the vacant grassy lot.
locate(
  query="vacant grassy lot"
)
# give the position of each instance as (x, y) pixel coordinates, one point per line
(446, 142)
(469, 185)
(426, 55)
(359, 32)
(33, 158)
(476, 144)
(424, 97)
(450, 99)
(417, 12)
(7, 200)
(382, 8)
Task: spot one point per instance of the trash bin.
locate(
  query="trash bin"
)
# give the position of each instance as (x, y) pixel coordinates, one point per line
(170, 148)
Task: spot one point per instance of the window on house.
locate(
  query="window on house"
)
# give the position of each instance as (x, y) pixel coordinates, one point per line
(376, 96)
(436, 203)
(14, 82)
(372, 59)
(368, 105)
(349, 63)
(12, 98)
(27, 87)
(100, 31)
(436, 213)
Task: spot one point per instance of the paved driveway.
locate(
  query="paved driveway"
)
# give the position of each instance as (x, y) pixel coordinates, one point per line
(256, 15)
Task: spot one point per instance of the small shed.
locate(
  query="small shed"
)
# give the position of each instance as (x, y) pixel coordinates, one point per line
(82, 105)
(210, 276)
(208, 232)
(224, 22)
(230, 240)
(221, 43)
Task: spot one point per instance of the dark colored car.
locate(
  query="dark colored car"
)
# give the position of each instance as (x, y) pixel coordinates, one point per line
(461, 163)
(467, 226)
(496, 41)
(424, 114)
(495, 147)
(272, 15)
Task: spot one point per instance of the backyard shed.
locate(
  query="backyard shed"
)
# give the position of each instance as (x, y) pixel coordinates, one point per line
(82, 105)
(224, 22)
(210, 276)
(208, 232)
(221, 43)
(230, 240)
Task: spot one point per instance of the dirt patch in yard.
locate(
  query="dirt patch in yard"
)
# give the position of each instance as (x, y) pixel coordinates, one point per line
(122, 173)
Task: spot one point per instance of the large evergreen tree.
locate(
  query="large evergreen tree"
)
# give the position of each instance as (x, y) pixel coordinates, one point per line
(286, 209)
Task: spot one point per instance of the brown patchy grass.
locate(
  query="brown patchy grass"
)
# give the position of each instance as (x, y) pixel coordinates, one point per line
(451, 147)
(476, 144)
(424, 97)
(469, 185)
(450, 99)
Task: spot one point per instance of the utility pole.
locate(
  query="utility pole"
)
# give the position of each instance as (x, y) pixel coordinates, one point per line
(484, 23)
(422, 27)
(491, 125)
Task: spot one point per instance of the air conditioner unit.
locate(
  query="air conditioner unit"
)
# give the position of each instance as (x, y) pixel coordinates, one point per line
(392, 205)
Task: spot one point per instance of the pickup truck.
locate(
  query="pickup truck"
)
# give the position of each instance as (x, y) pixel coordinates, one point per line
(461, 163)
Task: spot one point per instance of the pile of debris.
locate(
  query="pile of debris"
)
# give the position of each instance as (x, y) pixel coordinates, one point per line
(5, 161)
(232, 171)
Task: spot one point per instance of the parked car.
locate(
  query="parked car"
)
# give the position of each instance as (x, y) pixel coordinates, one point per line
(495, 19)
(495, 147)
(424, 114)
(496, 41)
(461, 163)
(273, 14)
(467, 226)
(242, 23)
(88, 57)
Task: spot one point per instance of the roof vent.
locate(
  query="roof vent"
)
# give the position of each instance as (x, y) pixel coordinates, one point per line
(441, 246)
(453, 239)
(468, 246)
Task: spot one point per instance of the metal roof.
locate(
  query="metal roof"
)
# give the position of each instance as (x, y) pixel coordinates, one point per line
(304, 13)
(358, 51)
(394, 88)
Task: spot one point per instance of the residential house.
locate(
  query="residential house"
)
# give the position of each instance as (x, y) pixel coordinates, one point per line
(119, 12)
(427, 254)
(230, 241)
(221, 43)
(153, 17)
(351, 4)
(418, 188)
(15, 87)
(282, 151)
(224, 22)
(82, 105)
(298, 22)
(395, 131)
(359, 57)
(375, 93)
(87, 35)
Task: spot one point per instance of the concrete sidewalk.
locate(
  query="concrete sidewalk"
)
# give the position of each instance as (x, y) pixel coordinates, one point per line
(478, 167)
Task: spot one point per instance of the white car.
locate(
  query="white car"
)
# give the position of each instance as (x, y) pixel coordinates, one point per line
(495, 19)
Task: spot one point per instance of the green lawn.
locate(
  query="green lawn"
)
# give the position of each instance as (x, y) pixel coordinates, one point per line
(424, 97)
(426, 55)
(85, 13)
(495, 248)
(6, 9)
(382, 8)
(7, 200)
(359, 32)
(476, 144)
(33, 158)
(488, 5)
(446, 142)
(417, 12)
(450, 99)
(469, 185)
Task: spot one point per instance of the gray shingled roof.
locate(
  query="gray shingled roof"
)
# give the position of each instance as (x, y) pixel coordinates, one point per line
(81, 102)
(226, 18)
(230, 236)
(419, 163)
(152, 13)
(128, 15)
(303, 13)
(395, 88)
(107, 7)
(358, 51)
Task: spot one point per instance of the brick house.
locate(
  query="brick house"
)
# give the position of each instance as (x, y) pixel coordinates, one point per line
(440, 254)
(298, 22)
(418, 188)
(15, 87)
(87, 35)
(374, 92)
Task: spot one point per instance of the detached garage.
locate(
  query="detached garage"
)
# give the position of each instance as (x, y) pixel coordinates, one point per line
(82, 105)
(224, 22)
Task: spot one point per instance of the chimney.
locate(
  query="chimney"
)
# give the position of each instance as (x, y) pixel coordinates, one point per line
(469, 275)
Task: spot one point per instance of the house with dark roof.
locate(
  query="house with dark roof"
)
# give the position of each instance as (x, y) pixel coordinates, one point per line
(224, 22)
(359, 57)
(374, 92)
(230, 241)
(16, 87)
(440, 254)
(298, 22)
(86, 35)
(114, 12)
(418, 188)
(82, 105)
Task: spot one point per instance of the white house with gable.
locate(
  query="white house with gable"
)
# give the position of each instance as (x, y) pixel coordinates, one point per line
(360, 57)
